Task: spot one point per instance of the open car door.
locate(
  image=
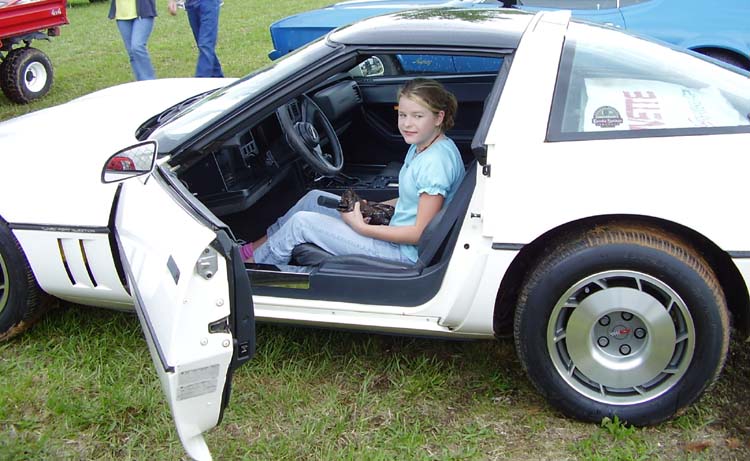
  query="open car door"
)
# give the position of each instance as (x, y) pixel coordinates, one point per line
(190, 290)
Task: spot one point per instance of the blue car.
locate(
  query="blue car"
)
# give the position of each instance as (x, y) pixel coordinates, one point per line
(717, 30)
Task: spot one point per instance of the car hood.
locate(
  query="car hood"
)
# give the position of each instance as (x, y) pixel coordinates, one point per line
(62, 149)
(116, 111)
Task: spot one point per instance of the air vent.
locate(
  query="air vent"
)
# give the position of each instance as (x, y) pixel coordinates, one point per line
(357, 93)
(294, 110)
(75, 261)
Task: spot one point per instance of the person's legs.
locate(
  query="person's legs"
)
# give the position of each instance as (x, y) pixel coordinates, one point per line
(212, 16)
(140, 59)
(309, 202)
(329, 233)
(192, 7)
(204, 22)
(126, 32)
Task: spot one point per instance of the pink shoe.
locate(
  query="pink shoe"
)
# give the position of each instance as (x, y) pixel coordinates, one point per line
(246, 251)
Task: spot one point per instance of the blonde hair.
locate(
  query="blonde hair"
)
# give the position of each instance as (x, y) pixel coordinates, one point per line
(433, 96)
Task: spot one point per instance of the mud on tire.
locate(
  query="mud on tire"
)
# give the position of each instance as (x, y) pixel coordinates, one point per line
(22, 302)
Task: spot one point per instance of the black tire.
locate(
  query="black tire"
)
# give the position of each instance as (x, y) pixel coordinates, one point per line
(622, 321)
(26, 75)
(22, 302)
(2, 73)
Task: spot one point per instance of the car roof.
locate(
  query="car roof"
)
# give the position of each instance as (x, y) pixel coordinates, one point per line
(479, 28)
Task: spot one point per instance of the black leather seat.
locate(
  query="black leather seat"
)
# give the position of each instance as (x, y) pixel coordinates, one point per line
(434, 238)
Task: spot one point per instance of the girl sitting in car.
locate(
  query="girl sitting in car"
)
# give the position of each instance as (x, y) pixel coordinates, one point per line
(431, 173)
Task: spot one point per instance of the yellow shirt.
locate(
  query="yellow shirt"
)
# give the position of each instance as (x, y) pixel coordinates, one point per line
(125, 9)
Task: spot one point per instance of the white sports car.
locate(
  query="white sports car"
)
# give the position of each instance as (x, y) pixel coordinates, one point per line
(595, 223)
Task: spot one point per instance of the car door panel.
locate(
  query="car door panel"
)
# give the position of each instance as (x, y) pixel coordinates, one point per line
(181, 278)
(380, 121)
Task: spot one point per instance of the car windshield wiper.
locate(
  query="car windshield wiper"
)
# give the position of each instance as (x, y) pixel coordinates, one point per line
(148, 127)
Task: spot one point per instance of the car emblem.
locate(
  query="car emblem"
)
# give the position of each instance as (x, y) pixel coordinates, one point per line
(620, 332)
(312, 133)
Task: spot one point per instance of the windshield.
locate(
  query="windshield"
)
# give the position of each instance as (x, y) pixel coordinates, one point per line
(202, 114)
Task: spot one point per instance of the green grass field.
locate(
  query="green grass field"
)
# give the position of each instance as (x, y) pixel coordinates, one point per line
(80, 384)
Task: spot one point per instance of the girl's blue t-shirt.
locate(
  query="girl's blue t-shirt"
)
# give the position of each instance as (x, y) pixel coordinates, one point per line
(437, 170)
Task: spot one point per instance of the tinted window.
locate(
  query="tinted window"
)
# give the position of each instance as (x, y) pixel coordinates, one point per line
(425, 64)
(610, 83)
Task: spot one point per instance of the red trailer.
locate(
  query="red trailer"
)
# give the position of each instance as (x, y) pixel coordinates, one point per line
(26, 72)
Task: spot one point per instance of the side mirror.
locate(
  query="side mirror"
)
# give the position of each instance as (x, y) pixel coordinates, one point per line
(370, 67)
(128, 163)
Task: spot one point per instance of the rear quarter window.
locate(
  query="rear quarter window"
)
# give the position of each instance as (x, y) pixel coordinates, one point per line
(615, 85)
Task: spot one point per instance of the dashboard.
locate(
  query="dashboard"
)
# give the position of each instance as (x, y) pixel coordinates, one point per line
(243, 169)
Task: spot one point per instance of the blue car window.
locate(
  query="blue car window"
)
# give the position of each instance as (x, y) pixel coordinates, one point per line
(644, 89)
(425, 64)
(422, 64)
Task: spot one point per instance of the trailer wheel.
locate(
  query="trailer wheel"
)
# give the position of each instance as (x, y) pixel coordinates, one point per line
(26, 75)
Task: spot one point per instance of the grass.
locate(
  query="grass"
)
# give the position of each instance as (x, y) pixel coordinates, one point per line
(89, 54)
(80, 384)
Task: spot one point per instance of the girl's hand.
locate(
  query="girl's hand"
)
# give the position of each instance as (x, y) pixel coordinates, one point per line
(354, 218)
(172, 7)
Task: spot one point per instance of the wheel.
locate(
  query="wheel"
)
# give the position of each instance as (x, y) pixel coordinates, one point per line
(622, 321)
(303, 122)
(21, 301)
(727, 57)
(26, 75)
(2, 73)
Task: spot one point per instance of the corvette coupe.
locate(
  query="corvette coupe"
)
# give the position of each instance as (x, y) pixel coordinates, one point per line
(594, 224)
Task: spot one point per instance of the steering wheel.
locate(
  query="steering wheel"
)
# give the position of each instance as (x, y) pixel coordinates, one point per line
(302, 133)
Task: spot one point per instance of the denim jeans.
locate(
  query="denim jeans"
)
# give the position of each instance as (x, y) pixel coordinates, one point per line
(309, 222)
(135, 34)
(204, 21)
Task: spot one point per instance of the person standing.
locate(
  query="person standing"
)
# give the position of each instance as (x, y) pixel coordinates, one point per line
(135, 20)
(203, 16)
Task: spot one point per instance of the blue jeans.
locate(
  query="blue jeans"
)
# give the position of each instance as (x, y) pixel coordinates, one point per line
(309, 222)
(204, 21)
(135, 33)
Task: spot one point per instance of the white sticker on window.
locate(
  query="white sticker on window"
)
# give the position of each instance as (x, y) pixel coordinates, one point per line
(632, 104)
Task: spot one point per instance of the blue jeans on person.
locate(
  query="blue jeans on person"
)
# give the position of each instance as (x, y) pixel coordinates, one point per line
(135, 34)
(204, 21)
(308, 222)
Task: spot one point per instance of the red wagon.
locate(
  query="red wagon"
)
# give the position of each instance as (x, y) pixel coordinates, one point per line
(26, 72)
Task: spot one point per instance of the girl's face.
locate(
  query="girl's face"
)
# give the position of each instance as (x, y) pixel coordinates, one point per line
(417, 124)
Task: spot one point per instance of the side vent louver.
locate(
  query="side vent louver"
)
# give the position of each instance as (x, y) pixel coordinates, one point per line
(75, 262)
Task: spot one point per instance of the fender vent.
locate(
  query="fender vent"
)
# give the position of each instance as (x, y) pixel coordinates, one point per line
(75, 261)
